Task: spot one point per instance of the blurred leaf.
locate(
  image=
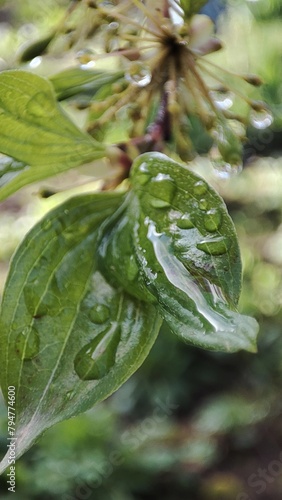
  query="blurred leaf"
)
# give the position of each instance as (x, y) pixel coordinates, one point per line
(185, 255)
(74, 81)
(68, 339)
(36, 48)
(191, 7)
(36, 132)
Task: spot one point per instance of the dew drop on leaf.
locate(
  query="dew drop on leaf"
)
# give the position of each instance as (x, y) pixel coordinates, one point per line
(95, 360)
(215, 246)
(185, 222)
(70, 395)
(46, 224)
(203, 204)
(27, 343)
(41, 105)
(261, 119)
(162, 189)
(144, 168)
(132, 268)
(212, 220)
(99, 314)
(200, 188)
(143, 179)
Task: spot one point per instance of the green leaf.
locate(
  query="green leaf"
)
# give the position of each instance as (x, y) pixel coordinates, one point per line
(68, 338)
(186, 257)
(73, 81)
(36, 132)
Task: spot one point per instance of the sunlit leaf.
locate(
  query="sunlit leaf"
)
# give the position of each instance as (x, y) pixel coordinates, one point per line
(36, 132)
(186, 257)
(68, 338)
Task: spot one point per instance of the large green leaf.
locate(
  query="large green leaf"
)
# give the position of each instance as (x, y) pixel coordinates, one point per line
(73, 81)
(36, 132)
(186, 257)
(68, 338)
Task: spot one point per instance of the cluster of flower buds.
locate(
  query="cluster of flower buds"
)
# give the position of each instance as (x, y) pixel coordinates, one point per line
(168, 84)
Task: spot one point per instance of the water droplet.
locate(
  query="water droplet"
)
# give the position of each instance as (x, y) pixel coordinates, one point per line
(35, 62)
(261, 119)
(200, 188)
(99, 314)
(215, 246)
(132, 268)
(185, 222)
(138, 74)
(225, 170)
(144, 168)
(212, 220)
(143, 179)
(203, 204)
(180, 278)
(27, 343)
(85, 56)
(41, 105)
(163, 189)
(222, 100)
(40, 302)
(46, 224)
(95, 360)
(113, 27)
(71, 233)
(70, 395)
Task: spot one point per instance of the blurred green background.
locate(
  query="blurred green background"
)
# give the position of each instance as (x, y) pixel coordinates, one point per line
(189, 424)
